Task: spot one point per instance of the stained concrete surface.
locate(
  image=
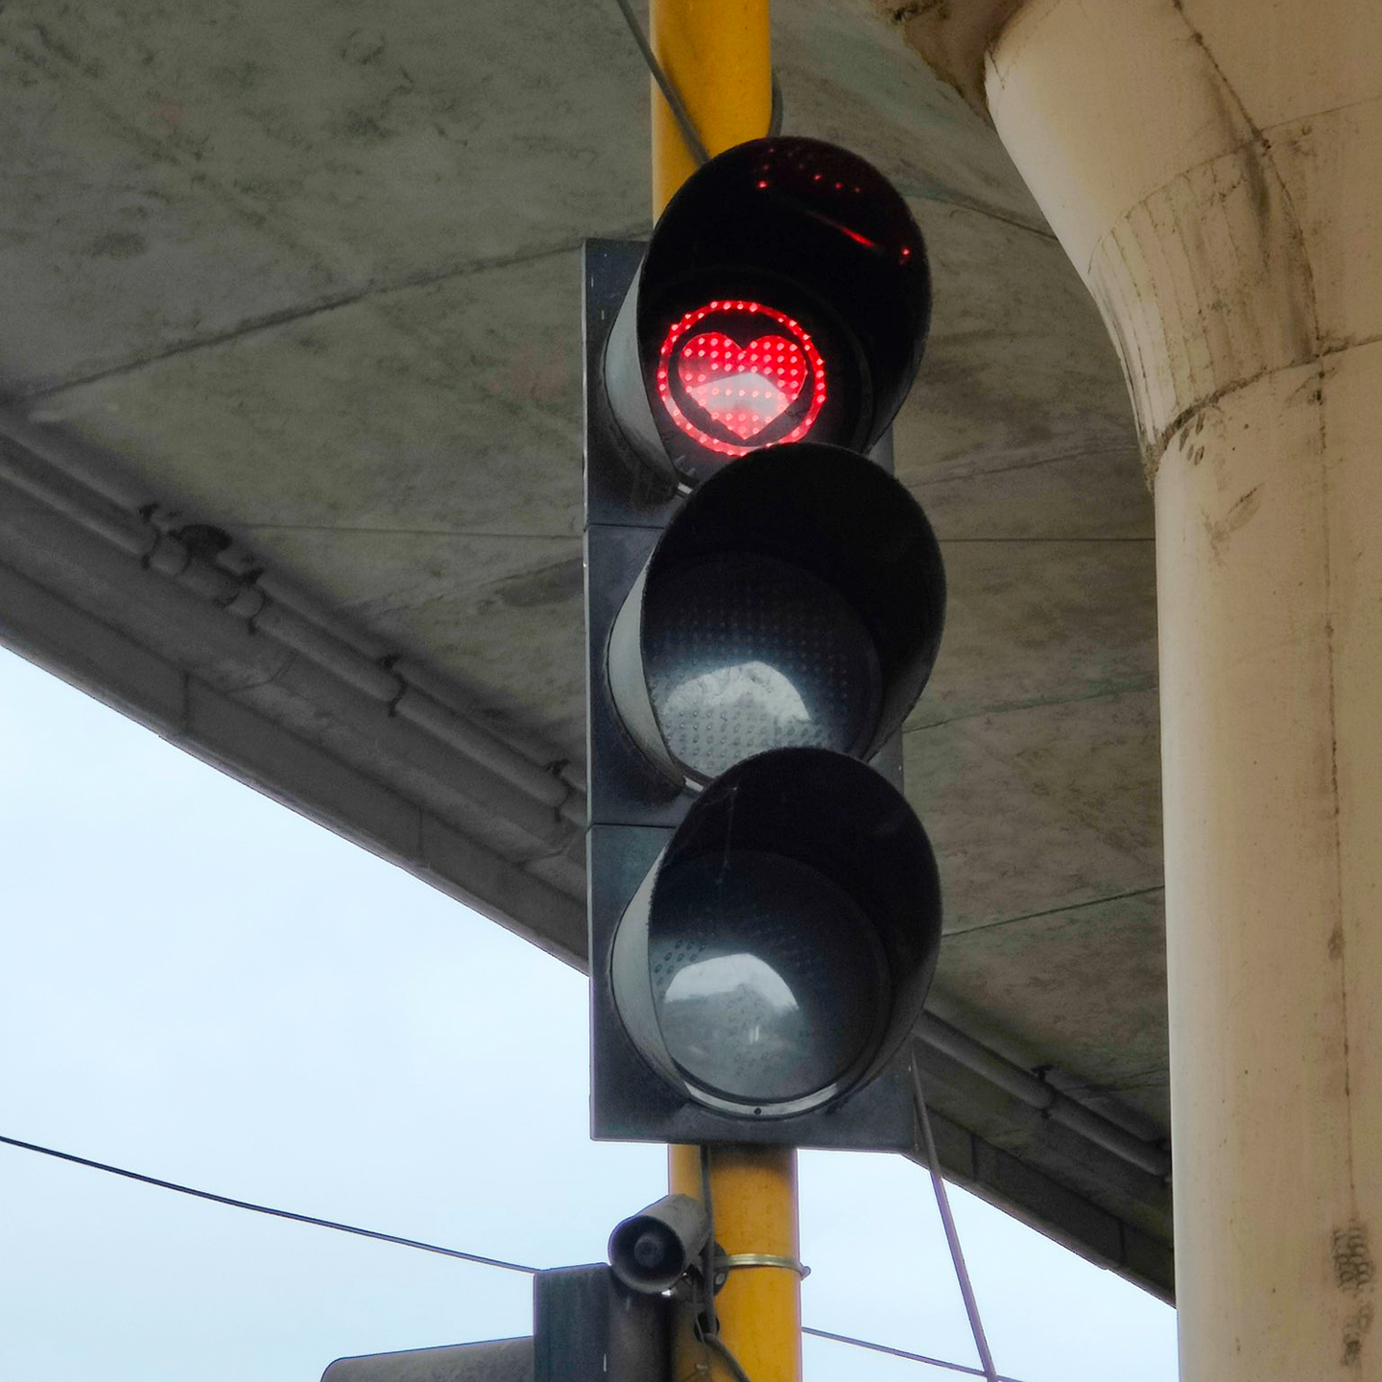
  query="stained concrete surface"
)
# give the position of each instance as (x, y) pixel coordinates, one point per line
(311, 274)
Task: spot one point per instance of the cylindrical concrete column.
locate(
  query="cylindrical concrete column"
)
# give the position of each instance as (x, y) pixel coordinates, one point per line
(1214, 170)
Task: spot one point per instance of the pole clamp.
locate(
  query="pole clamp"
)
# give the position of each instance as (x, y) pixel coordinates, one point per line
(731, 1261)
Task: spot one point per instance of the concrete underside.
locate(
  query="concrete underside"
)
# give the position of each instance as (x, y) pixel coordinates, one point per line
(310, 276)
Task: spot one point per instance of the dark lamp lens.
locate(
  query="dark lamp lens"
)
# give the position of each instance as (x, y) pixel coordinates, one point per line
(769, 983)
(745, 652)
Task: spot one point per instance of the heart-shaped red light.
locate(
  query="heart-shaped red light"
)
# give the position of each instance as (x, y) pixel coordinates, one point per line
(744, 388)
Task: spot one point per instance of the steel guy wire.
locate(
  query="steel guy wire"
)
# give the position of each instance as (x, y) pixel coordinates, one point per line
(265, 1209)
(952, 1236)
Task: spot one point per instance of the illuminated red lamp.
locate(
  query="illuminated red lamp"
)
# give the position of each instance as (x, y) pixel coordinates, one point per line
(740, 376)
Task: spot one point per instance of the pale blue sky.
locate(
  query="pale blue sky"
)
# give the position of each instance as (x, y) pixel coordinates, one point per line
(200, 985)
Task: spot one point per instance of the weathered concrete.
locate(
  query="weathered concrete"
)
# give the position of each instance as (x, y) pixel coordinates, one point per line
(1213, 170)
(313, 278)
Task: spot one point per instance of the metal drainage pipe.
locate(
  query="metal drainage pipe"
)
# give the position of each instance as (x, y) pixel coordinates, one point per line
(1060, 1108)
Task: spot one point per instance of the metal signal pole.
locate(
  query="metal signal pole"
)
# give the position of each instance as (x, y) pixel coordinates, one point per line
(716, 55)
(753, 1193)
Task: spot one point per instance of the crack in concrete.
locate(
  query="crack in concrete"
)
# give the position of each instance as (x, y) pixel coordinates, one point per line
(1326, 350)
(913, 194)
(1342, 953)
(174, 151)
(355, 530)
(1030, 463)
(953, 936)
(1107, 692)
(268, 320)
(1003, 541)
(1153, 1077)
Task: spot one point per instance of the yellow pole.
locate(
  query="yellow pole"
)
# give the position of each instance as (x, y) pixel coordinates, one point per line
(716, 54)
(753, 1193)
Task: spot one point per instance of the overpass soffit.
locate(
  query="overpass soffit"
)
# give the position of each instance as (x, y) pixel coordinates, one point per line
(311, 280)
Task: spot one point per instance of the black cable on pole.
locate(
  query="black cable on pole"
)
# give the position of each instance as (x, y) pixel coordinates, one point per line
(952, 1237)
(707, 1329)
(679, 112)
(265, 1209)
(718, 1345)
(712, 1322)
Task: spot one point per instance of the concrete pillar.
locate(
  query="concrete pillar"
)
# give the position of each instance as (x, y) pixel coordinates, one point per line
(1214, 170)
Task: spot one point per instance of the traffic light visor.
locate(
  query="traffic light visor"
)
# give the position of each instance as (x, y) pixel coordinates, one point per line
(796, 600)
(784, 297)
(780, 950)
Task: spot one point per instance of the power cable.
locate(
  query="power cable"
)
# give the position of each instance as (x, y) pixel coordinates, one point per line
(712, 1322)
(718, 1345)
(707, 1327)
(265, 1209)
(952, 1236)
(478, 1258)
(679, 112)
(898, 1352)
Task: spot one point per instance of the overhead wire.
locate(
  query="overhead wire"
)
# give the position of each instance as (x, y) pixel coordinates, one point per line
(266, 1209)
(680, 114)
(952, 1236)
(479, 1258)
(899, 1352)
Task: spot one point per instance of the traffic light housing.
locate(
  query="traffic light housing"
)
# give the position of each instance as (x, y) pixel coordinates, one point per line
(587, 1327)
(764, 606)
(784, 296)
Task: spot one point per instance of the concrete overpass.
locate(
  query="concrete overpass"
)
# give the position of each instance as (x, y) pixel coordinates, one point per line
(290, 471)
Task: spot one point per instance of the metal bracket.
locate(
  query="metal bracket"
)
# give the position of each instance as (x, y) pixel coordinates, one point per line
(728, 1262)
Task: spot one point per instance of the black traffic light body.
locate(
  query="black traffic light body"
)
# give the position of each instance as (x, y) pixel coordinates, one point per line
(587, 1327)
(764, 603)
(790, 264)
(764, 909)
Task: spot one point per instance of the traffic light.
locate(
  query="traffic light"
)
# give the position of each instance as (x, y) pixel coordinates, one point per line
(587, 1327)
(497, 1360)
(764, 606)
(784, 296)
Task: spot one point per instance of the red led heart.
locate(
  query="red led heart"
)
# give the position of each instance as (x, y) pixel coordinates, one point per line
(744, 388)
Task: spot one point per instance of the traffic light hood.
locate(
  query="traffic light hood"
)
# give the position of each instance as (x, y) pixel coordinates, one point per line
(780, 950)
(784, 296)
(795, 599)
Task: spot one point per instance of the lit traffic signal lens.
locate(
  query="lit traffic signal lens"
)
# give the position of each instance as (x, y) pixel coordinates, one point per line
(784, 297)
(734, 375)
